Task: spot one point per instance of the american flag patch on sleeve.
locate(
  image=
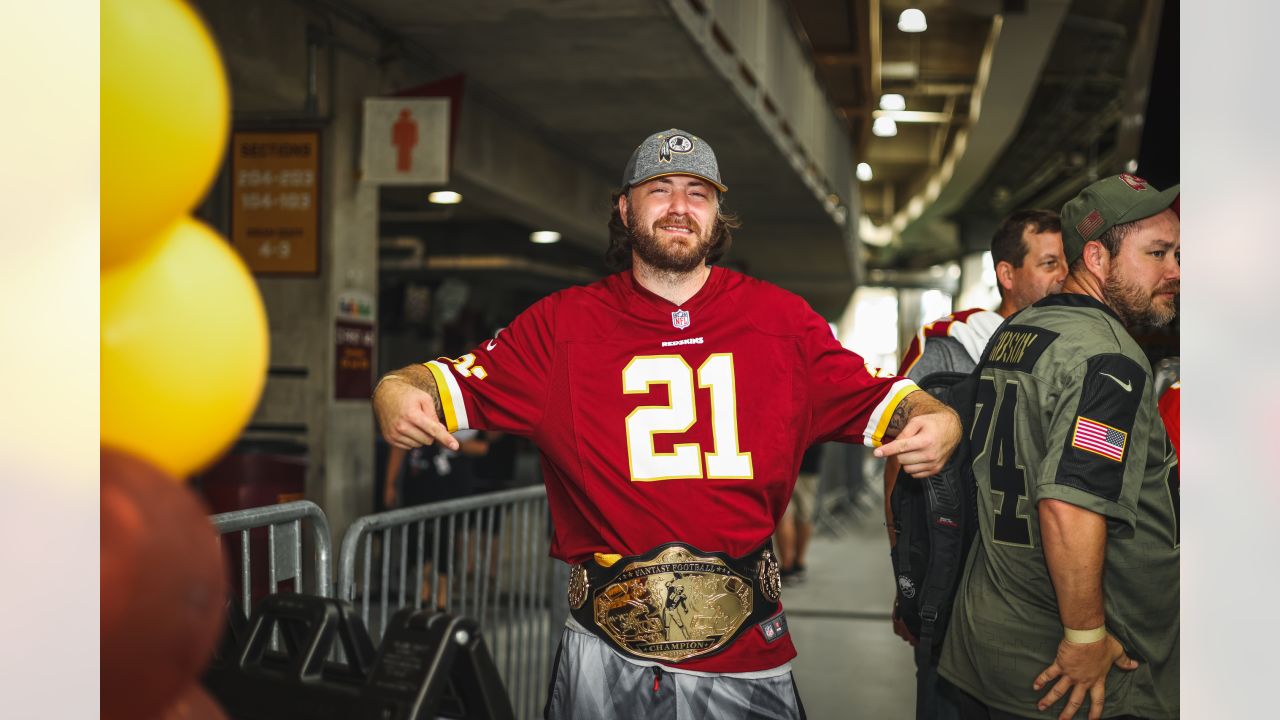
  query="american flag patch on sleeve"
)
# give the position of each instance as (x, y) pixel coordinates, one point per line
(1098, 438)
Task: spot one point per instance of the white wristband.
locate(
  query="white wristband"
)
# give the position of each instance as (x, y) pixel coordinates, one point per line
(1085, 636)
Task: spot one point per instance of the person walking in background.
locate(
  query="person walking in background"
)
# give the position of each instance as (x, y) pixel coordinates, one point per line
(429, 474)
(796, 526)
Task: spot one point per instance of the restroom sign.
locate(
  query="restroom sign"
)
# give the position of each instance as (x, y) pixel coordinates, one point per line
(406, 141)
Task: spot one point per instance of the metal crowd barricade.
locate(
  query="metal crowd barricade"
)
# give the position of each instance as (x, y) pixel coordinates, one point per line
(284, 549)
(844, 495)
(482, 557)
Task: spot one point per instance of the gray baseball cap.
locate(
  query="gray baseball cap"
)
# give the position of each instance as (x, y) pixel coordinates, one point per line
(672, 152)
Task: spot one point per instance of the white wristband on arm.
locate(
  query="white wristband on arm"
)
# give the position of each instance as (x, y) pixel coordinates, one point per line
(1084, 636)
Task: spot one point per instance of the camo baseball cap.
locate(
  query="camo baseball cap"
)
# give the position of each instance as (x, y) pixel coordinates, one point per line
(672, 152)
(1106, 203)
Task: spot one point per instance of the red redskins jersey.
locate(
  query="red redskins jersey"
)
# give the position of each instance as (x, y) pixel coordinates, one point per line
(1170, 412)
(972, 327)
(661, 423)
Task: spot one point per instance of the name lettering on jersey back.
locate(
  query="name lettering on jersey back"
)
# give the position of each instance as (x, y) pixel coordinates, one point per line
(686, 341)
(1011, 347)
(1018, 347)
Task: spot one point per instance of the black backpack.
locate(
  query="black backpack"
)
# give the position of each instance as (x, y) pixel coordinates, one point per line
(935, 521)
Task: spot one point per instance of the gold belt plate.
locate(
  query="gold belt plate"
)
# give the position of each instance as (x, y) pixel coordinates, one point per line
(674, 607)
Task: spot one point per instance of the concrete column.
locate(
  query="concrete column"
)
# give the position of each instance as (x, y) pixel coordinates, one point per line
(345, 485)
(264, 45)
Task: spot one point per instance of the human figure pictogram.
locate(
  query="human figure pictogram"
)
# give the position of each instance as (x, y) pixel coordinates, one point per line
(404, 135)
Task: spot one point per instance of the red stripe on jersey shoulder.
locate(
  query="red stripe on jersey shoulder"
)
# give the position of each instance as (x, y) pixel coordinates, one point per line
(942, 326)
(938, 328)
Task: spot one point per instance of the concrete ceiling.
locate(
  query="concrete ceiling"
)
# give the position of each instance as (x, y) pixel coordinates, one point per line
(860, 54)
(1061, 103)
(595, 77)
(1070, 131)
(1012, 92)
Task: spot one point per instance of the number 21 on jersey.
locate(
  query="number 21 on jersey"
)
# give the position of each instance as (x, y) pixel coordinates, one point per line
(686, 460)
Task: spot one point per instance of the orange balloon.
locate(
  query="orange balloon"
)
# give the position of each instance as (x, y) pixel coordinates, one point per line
(165, 112)
(183, 350)
(164, 588)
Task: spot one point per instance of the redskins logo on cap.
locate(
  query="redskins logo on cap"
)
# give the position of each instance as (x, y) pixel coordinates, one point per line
(1135, 182)
(675, 143)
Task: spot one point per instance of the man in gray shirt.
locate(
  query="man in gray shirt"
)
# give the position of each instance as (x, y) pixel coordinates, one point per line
(1027, 253)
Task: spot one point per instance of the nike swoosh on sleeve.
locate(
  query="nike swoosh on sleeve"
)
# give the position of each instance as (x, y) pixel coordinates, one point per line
(1128, 387)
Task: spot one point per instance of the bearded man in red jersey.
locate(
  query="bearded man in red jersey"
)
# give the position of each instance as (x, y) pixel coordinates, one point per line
(671, 402)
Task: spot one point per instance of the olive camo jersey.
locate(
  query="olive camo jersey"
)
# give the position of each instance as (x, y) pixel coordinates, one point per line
(1067, 410)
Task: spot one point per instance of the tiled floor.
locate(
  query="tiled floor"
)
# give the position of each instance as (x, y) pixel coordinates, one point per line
(850, 664)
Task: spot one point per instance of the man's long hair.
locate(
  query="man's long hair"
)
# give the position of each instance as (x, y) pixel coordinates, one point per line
(618, 256)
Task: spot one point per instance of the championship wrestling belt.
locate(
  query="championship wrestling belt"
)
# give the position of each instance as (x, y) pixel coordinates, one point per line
(675, 602)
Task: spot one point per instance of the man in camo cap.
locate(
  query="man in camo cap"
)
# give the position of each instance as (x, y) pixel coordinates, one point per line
(1071, 591)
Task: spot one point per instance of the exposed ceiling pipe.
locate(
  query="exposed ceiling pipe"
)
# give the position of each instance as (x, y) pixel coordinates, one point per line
(409, 253)
(873, 33)
(1138, 81)
(938, 143)
(1012, 58)
(914, 116)
(1056, 196)
(1047, 171)
(513, 263)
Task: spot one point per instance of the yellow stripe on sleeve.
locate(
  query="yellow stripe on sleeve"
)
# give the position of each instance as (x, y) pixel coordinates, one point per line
(446, 398)
(903, 390)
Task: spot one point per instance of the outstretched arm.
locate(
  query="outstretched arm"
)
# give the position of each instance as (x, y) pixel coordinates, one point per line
(925, 433)
(407, 405)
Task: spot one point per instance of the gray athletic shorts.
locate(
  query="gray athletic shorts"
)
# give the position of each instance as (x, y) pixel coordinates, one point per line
(592, 681)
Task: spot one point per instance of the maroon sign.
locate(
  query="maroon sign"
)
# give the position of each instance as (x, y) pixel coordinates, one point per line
(353, 366)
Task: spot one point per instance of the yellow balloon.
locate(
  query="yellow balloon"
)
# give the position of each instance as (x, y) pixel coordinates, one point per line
(164, 116)
(184, 350)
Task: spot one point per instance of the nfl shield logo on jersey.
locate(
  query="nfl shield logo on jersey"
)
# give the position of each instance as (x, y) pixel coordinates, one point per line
(680, 319)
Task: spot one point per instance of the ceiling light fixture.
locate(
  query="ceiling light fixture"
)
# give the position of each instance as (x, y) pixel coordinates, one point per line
(544, 237)
(892, 101)
(912, 20)
(445, 197)
(884, 126)
(864, 172)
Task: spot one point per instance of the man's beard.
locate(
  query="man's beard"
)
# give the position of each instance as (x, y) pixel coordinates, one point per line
(1137, 306)
(668, 257)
